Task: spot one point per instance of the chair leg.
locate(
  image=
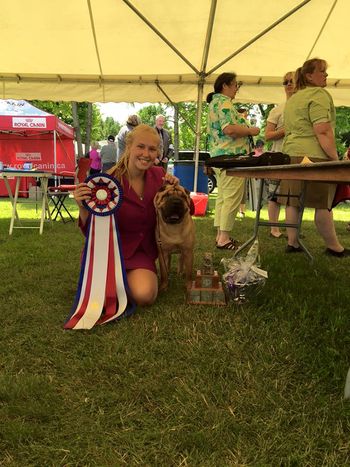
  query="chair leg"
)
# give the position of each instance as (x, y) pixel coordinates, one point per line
(59, 207)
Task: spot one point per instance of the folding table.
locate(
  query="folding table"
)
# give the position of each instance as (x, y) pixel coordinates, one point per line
(331, 172)
(18, 175)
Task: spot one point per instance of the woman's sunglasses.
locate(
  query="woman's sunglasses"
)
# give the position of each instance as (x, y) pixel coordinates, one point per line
(287, 81)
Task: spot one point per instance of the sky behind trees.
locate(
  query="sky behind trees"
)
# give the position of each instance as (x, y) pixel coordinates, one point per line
(119, 111)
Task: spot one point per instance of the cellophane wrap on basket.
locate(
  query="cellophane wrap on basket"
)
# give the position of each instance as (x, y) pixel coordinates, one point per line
(243, 279)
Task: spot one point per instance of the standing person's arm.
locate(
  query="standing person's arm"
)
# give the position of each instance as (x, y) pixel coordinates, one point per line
(102, 153)
(121, 146)
(271, 132)
(239, 131)
(274, 126)
(322, 114)
(229, 125)
(325, 136)
(170, 146)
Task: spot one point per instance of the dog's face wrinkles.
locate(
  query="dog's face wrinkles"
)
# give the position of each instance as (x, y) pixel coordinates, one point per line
(173, 203)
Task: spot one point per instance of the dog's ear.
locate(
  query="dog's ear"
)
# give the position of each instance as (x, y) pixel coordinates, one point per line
(160, 195)
(190, 202)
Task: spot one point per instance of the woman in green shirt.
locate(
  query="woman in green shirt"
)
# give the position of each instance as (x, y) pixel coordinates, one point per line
(309, 121)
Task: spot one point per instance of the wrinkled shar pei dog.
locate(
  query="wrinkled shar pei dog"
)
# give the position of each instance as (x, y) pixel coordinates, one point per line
(175, 231)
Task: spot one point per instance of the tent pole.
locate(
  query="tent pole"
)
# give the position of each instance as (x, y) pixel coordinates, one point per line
(198, 130)
(201, 82)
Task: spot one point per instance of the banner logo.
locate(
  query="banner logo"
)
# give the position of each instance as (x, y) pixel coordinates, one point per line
(29, 122)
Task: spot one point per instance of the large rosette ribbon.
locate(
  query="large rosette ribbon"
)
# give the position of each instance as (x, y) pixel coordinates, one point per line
(102, 294)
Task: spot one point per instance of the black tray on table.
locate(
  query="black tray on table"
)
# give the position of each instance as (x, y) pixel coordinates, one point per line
(230, 161)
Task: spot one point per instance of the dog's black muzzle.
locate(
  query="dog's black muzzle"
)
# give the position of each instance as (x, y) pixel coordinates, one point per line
(174, 210)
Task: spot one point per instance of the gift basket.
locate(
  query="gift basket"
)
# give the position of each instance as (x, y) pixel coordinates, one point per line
(243, 279)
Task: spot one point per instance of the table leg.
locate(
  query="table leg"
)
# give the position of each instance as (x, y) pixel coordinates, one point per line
(259, 222)
(45, 204)
(300, 218)
(8, 188)
(257, 219)
(14, 206)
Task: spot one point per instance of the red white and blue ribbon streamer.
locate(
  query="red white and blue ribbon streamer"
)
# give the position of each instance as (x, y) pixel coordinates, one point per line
(102, 294)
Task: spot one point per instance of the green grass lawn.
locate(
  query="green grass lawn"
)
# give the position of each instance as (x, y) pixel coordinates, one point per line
(258, 384)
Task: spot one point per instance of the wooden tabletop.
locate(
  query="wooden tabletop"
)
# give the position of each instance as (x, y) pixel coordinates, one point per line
(332, 171)
(25, 173)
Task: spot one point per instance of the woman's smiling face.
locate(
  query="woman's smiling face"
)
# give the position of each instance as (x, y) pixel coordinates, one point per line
(143, 151)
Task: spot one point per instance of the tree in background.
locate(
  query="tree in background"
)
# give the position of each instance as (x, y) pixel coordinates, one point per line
(89, 121)
(186, 112)
(187, 137)
(110, 127)
(148, 114)
(342, 133)
(101, 129)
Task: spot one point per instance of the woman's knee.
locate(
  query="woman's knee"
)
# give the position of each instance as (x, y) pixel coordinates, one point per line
(144, 297)
(143, 285)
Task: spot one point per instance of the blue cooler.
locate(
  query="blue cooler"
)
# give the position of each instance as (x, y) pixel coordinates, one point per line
(184, 171)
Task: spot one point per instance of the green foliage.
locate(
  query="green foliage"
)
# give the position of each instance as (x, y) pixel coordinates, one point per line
(63, 110)
(109, 127)
(342, 132)
(187, 136)
(148, 114)
(101, 129)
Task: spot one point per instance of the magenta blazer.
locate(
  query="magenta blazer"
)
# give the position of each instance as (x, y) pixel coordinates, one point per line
(136, 218)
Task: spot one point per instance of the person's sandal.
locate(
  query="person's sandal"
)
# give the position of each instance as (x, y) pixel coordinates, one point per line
(338, 254)
(293, 249)
(280, 235)
(231, 245)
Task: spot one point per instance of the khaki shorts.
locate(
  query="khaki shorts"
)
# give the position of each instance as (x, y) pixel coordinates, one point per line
(318, 195)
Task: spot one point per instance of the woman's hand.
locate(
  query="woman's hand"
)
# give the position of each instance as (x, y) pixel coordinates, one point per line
(171, 179)
(254, 131)
(81, 193)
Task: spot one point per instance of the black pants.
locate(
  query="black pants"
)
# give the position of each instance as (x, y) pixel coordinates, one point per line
(94, 171)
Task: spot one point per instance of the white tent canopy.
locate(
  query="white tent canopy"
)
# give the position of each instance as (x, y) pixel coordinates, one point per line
(153, 51)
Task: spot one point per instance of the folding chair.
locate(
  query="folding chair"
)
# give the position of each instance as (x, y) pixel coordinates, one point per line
(59, 194)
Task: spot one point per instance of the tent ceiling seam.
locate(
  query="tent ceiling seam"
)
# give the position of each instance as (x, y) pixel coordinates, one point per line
(208, 35)
(96, 45)
(261, 81)
(159, 34)
(262, 33)
(173, 104)
(322, 29)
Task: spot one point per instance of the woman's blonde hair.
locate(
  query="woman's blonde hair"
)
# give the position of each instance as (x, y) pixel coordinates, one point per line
(301, 81)
(121, 168)
(95, 145)
(289, 74)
